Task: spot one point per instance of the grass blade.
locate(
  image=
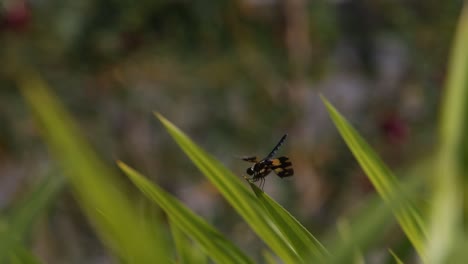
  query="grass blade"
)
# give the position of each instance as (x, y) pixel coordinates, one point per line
(395, 257)
(373, 216)
(231, 187)
(182, 244)
(187, 251)
(449, 196)
(383, 180)
(19, 221)
(268, 257)
(96, 187)
(306, 245)
(215, 245)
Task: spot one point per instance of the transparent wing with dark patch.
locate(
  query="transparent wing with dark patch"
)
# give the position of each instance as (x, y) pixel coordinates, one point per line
(282, 166)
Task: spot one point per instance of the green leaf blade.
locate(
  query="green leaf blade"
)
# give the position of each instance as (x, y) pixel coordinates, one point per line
(307, 246)
(100, 194)
(215, 245)
(449, 209)
(20, 220)
(236, 194)
(383, 180)
(395, 257)
(182, 244)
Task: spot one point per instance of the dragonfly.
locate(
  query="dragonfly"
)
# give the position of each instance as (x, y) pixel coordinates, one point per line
(282, 166)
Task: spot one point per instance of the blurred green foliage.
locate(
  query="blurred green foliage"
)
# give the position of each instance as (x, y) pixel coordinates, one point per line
(234, 75)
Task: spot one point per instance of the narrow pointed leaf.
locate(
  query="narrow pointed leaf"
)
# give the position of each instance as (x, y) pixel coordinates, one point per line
(214, 243)
(236, 193)
(101, 195)
(19, 221)
(395, 257)
(306, 245)
(182, 244)
(374, 216)
(269, 257)
(449, 203)
(383, 180)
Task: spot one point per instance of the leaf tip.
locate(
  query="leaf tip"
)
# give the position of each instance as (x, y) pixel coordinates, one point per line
(119, 163)
(325, 100)
(159, 116)
(124, 167)
(322, 97)
(163, 120)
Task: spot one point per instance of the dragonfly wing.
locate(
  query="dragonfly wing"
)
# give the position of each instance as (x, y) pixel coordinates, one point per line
(282, 166)
(250, 159)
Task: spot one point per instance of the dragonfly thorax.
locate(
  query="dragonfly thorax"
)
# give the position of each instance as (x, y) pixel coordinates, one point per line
(260, 168)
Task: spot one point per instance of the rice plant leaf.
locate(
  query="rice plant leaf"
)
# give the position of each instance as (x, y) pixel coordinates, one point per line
(306, 245)
(372, 217)
(17, 223)
(268, 257)
(187, 250)
(214, 243)
(395, 257)
(237, 194)
(182, 244)
(383, 180)
(101, 195)
(449, 203)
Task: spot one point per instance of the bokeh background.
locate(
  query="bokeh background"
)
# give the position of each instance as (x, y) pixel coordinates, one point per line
(235, 76)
